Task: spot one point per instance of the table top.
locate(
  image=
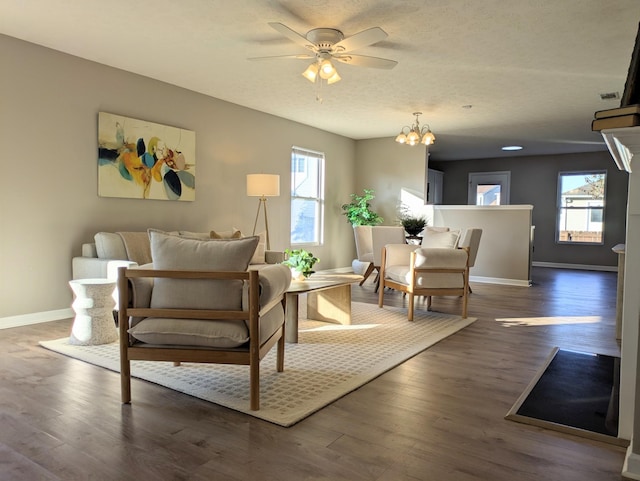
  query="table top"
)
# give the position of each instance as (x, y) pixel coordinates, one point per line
(319, 281)
(93, 281)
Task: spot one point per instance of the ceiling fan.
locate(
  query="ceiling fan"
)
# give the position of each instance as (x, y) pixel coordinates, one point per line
(326, 44)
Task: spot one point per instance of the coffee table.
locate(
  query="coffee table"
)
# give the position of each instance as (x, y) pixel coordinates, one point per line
(328, 300)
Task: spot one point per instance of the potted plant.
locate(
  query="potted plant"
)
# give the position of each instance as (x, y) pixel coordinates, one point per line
(301, 263)
(413, 225)
(359, 212)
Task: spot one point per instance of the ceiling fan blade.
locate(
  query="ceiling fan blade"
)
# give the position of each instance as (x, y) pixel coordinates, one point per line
(291, 35)
(361, 39)
(299, 56)
(365, 61)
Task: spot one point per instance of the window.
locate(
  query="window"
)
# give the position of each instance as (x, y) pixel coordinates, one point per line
(307, 196)
(581, 207)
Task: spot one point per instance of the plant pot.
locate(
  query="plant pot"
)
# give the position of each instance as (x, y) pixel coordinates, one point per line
(296, 275)
(413, 232)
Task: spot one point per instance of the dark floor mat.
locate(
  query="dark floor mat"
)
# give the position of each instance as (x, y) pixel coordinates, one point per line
(576, 390)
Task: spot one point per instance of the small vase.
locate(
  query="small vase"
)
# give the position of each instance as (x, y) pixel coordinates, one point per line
(296, 275)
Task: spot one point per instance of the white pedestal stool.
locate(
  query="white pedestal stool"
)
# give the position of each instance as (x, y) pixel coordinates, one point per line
(93, 306)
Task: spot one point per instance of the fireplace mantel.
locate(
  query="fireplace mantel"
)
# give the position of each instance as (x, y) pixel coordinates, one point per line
(623, 144)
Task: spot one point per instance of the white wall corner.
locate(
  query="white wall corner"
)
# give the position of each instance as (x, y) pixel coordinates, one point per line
(631, 466)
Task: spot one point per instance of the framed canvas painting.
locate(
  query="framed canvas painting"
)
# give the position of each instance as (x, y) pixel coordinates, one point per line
(145, 160)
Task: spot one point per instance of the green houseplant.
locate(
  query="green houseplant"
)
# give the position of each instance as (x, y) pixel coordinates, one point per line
(359, 212)
(413, 225)
(301, 261)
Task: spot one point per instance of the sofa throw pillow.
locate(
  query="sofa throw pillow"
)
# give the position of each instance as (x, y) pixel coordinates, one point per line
(260, 253)
(182, 253)
(194, 235)
(109, 245)
(229, 234)
(446, 239)
(259, 256)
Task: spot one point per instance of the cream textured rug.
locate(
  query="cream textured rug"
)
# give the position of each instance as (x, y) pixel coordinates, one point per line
(329, 361)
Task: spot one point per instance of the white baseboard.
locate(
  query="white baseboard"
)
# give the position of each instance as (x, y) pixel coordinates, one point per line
(631, 466)
(500, 280)
(35, 318)
(582, 267)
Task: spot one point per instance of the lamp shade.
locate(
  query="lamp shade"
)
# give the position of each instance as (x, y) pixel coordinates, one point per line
(263, 185)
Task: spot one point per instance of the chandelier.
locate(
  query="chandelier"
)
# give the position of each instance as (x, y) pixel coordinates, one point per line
(415, 134)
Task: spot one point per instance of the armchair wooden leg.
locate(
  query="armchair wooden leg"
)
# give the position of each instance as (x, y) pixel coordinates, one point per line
(464, 305)
(280, 352)
(125, 381)
(367, 273)
(428, 303)
(254, 385)
(381, 295)
(411, 305)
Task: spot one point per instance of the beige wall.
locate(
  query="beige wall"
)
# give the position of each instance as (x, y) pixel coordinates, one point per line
(48, 200)
(504, 254)
(388, 167)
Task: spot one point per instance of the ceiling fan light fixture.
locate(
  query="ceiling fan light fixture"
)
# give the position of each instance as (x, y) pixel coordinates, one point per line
(327, 70)
(334, 78)
(311, 73)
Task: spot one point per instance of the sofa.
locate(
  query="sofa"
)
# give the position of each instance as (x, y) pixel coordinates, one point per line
(111, 250)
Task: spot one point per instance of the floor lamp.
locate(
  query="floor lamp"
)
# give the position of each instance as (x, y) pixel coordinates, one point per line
(263, 186)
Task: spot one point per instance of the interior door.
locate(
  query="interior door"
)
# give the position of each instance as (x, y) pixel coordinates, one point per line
(489, 188)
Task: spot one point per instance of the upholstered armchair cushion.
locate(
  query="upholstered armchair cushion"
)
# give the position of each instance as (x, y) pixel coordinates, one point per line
(170, 252)
(446, 239)
(399, 254)
(364, 242)
(274, 281)
(190, 332)
(438, 258)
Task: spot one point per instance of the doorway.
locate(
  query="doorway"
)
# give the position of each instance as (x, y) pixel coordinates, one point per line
(489, 188)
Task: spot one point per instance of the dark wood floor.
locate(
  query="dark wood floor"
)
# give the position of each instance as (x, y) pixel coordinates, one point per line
(439, 416)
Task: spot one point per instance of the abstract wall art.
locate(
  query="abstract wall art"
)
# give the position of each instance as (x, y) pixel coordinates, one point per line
(145, 160)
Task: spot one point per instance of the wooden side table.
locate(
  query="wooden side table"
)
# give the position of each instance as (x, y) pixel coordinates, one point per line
(93, 305)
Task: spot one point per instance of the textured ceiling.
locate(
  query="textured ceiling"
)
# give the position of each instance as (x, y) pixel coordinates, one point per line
(532, 71)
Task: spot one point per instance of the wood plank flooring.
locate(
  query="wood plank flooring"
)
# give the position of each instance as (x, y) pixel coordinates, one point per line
(439, 416)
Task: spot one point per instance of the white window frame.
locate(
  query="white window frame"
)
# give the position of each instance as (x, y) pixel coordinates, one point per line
(562, 210)
(319, 200)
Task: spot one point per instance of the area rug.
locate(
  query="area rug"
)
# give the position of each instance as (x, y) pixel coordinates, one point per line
(329, 361)
(574, 392)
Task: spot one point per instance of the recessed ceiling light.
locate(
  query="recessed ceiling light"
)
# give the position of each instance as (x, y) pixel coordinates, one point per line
(512, 147)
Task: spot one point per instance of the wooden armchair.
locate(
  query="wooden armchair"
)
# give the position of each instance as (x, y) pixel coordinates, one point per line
(425, 271)
(204, 311)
